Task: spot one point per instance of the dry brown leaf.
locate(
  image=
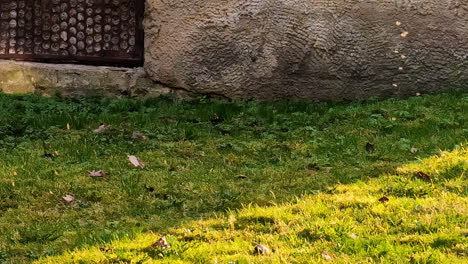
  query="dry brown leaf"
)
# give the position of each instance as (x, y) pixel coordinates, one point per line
(139, 135)
(67, 199)
(150, 188)
(49, 155)
(161, 243)
(101, 128)
(326, 256)
(260, 249)
(105, 250)
(97, 174)
(384, 199)
(136, 162)
(423, 176)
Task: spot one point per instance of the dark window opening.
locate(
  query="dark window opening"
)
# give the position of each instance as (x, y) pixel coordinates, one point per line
(98, 32)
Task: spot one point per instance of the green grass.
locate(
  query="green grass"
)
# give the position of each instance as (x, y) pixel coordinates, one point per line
(310, 186)
(348, 223)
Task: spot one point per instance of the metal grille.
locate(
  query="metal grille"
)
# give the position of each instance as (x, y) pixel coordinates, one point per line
(72, 31)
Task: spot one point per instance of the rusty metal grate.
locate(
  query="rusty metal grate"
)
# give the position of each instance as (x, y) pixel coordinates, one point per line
(72, 31)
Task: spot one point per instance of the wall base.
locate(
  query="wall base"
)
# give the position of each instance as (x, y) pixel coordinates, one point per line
(69, 80)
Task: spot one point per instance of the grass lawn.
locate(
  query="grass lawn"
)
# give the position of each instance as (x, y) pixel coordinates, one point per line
(304, 180)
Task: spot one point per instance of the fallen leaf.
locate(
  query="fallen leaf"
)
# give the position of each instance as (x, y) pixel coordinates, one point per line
(101, 128)
(313, 167)
(139, 135)
(260, 249)
(423, 176)
(96, 174)
(216, 119)
(136, 162)
(394, 118)
(414, 150)
(67, 199)
(161, 243)
(384, 199)
(370, 147)
(396, 51)
(149, 188)
(418, 94)
(403, 57)
(105, 250)
(326, 256)
(404, 34)
(48, 155)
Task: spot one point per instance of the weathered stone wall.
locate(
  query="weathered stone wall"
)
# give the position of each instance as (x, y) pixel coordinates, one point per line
(308, 49)
(277, 49)
(76, 80)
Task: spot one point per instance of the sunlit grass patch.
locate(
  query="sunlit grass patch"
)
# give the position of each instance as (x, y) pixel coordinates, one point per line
(348, 223)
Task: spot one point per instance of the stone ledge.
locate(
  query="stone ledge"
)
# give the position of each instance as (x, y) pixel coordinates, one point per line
(69, 80)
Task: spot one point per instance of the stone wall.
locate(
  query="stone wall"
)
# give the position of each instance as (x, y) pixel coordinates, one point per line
(277, 49)
(77, 80)
(308, 49)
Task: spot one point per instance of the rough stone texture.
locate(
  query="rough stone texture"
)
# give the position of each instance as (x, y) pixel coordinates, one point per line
(308, 49)
(76, 80)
